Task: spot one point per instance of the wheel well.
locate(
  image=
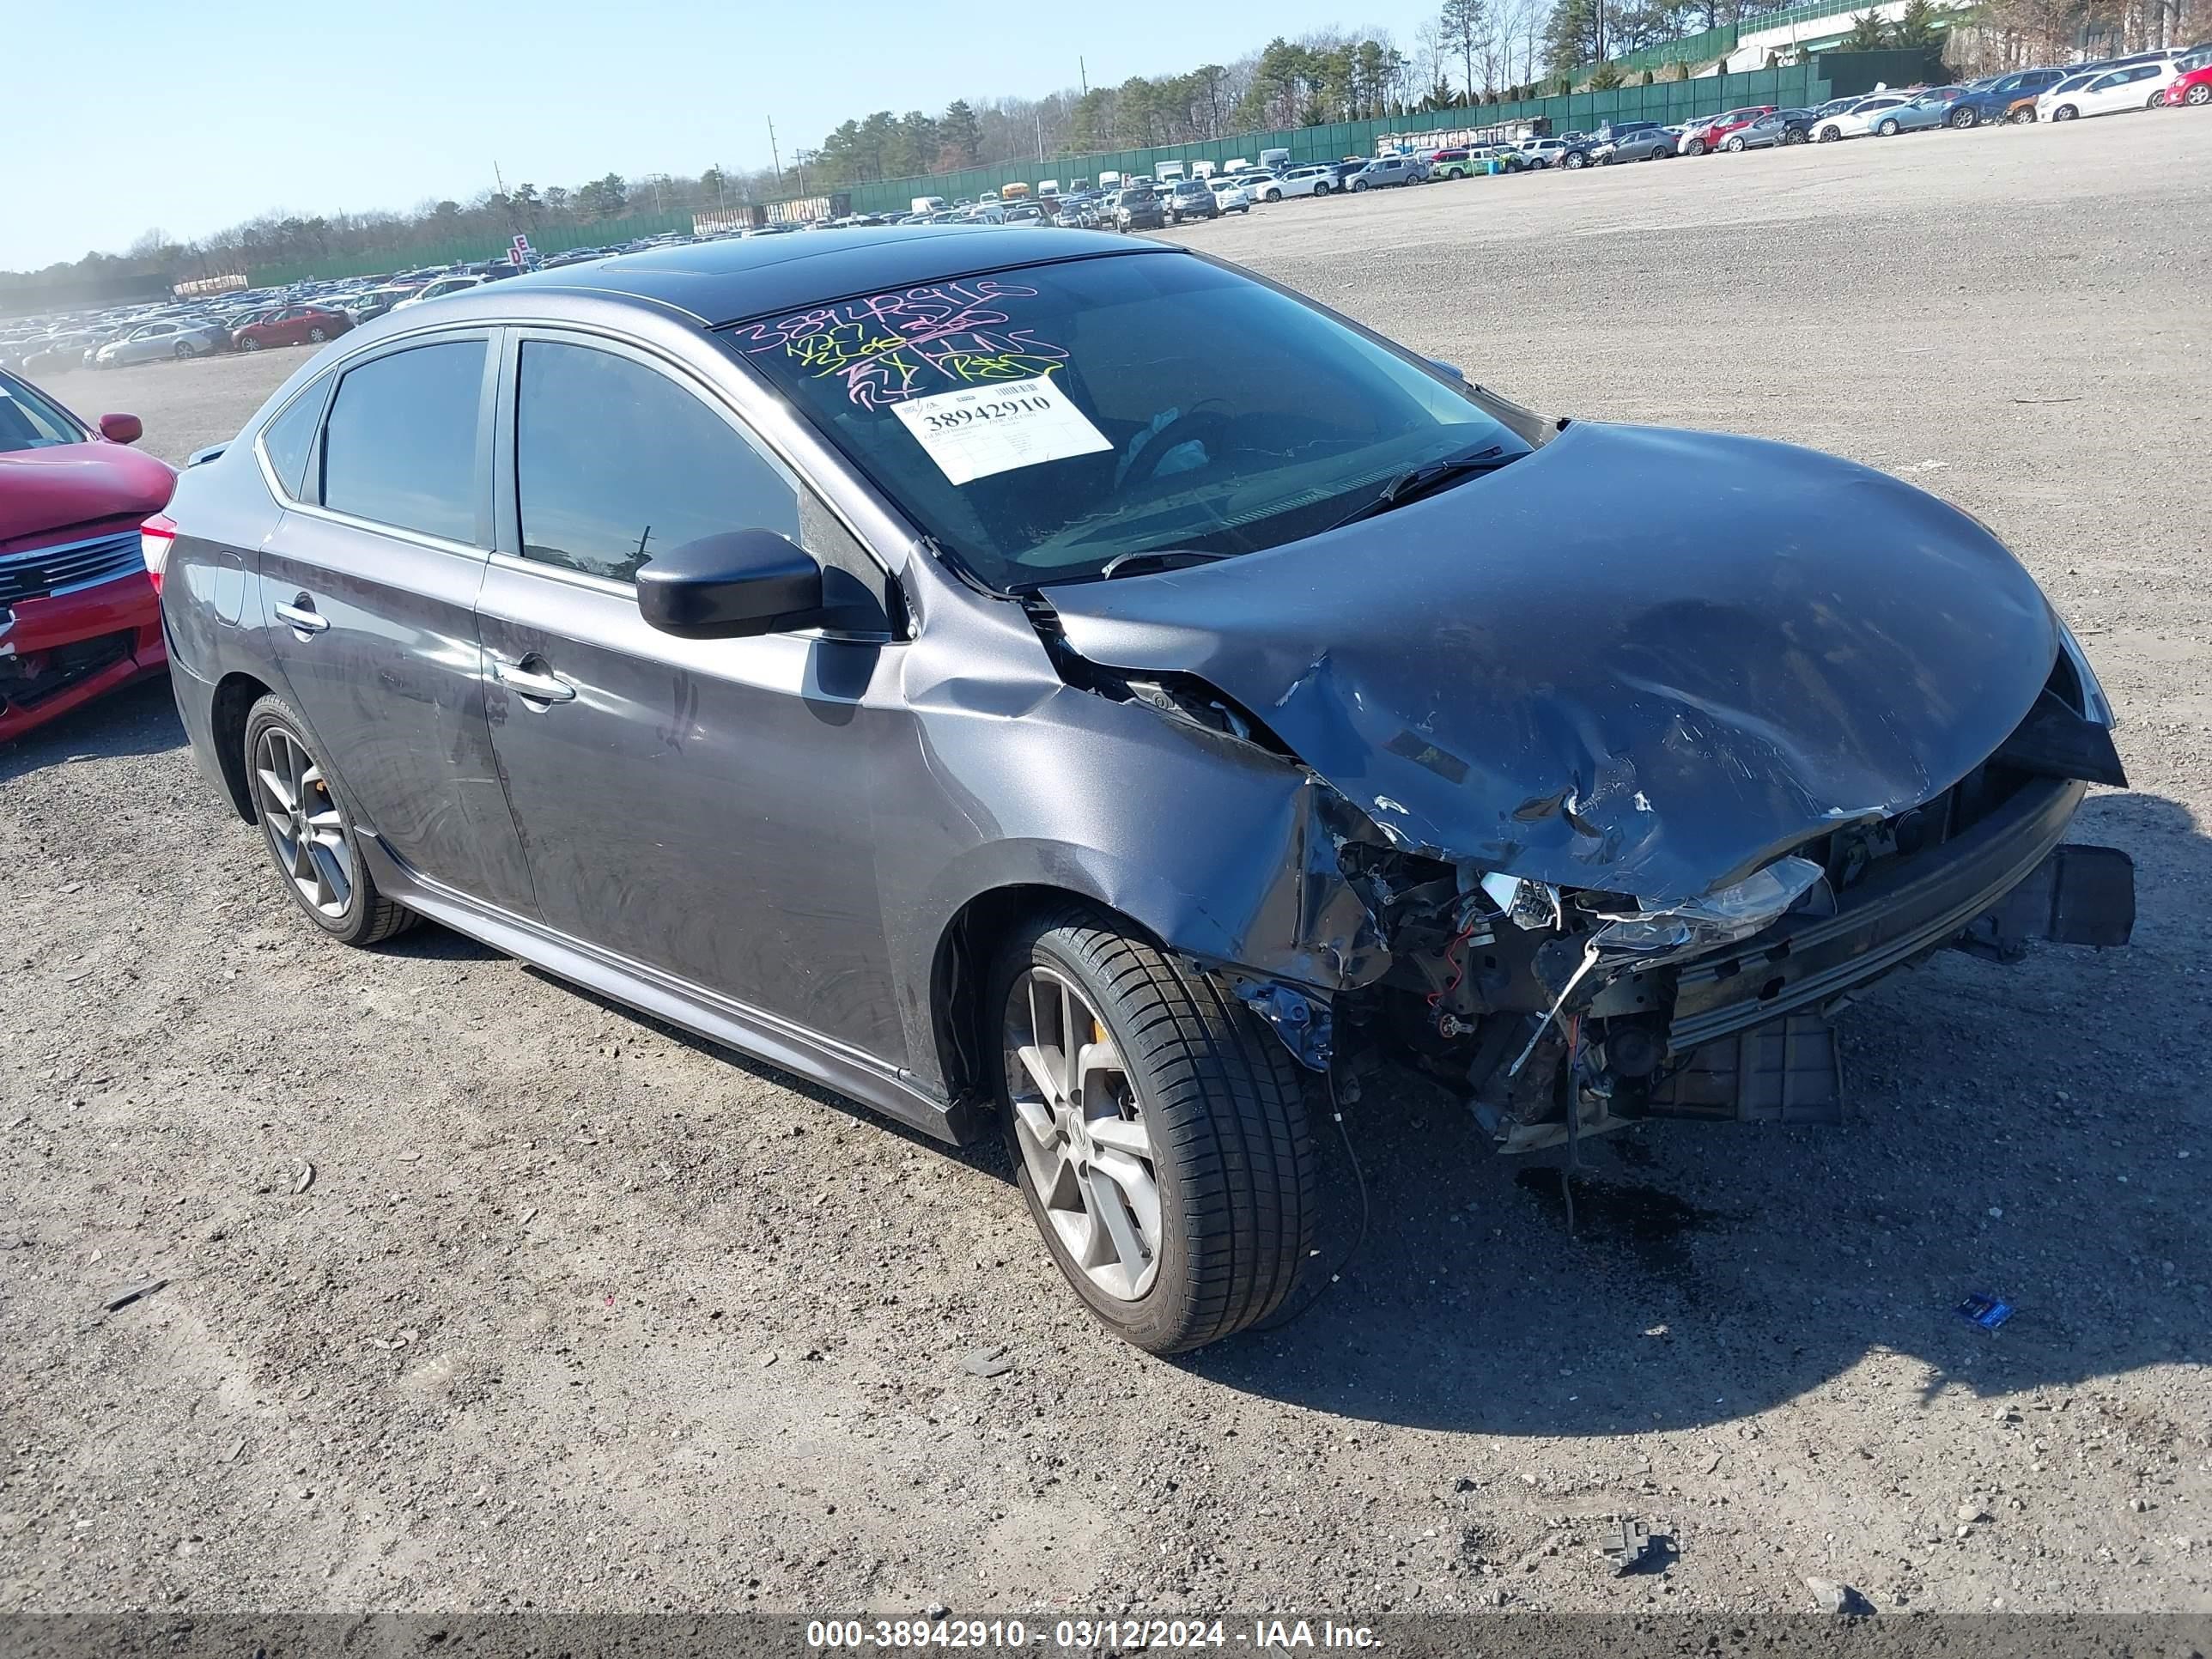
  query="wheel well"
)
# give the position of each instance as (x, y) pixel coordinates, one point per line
(966, 1046)
(234, 700)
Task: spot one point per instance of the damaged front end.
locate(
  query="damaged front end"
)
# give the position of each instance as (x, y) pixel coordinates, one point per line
(1559, 1012)
(1658, 747)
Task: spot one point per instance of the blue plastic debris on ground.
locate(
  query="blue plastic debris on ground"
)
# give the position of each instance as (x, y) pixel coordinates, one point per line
(1985, 1310)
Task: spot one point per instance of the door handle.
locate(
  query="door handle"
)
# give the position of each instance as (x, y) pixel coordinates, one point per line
(302, 615)
(528, 681)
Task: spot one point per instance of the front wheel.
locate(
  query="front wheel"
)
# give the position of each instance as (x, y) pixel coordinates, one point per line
(2064, 112)
(2024, 118)
(1962, 120)
(184, 350)
(1829, 135)
(1695, 146)
(1887, 130)
(249, 344)
(1733, 147)
(1158, 1133)
(1575, 161)
(1359, 183)
(1272, 195)
(310, 840)
(316, 336)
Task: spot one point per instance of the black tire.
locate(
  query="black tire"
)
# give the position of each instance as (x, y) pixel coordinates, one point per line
(184, 350)
(1322, 189)
(316, 336)
(1964, 120)
(249, 344)
(1830, 133)
(1695, 146)
(1573, 161)
(2065, 112)
(2025, 117)
(1734, 145)
(1793, 135)
(1272, 195)
(2155, 99)
(1886, 129)
(2197, 96)
(370, 917)
(1359, 183)
(1238, 1173)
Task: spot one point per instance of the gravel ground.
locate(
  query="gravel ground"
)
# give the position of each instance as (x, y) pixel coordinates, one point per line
(579, 1313)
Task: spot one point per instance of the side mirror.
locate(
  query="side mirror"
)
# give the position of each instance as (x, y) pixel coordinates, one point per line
(730, 586)
(122, 429)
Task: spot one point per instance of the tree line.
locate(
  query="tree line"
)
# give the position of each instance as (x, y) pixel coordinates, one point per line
(1470, 52)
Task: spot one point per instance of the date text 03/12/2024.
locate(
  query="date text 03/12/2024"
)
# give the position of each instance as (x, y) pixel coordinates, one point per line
(1086, 1635)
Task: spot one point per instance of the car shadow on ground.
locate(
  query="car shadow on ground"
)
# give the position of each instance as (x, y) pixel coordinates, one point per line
(139, 719)
(2034, 1133)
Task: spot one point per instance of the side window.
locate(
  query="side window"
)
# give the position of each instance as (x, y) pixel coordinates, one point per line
(287, 440)
(400, 445)
(615, 462)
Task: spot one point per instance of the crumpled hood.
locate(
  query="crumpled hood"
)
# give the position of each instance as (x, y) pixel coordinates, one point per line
(76, 483)
(1637, 659)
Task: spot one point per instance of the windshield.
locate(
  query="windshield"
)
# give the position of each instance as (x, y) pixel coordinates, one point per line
(1039, 423)
(29, 421)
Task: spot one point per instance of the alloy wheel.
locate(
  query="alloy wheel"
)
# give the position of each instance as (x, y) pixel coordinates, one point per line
(2199, 95)
(1082, 1135)
(307, 831)
(251, 343)
(317, 335)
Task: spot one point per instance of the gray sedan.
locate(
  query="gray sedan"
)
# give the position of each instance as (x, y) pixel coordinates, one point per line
(1102, 717)
(186, 337)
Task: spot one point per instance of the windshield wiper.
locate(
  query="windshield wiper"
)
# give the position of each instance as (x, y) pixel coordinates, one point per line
(1151, 559)
(1417, 482)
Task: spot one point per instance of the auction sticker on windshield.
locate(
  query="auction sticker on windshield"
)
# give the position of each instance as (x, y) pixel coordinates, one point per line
(982, 429)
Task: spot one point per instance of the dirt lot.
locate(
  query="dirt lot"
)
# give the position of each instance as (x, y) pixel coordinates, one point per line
(577, 1312)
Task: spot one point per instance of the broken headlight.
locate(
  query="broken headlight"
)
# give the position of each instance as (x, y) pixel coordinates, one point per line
(1757, 902)
(2096, 706)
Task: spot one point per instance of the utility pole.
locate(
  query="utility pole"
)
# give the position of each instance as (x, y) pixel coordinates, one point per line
(1083, 76)
(1039, 112)
(496, 179)
(772, 153)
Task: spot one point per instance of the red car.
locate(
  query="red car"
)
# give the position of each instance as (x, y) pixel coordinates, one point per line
(2194, 88)
(291, 325)
(78, 613)
(1697, 140)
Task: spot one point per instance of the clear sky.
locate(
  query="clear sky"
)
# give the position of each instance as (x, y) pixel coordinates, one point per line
(138, 115)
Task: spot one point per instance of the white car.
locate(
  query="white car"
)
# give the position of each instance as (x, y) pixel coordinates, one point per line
(1260, 185)
(1307, 181)
(1860, 119)
(1229, 195)
(2130, 86)
(439, 289)
(1543, 152)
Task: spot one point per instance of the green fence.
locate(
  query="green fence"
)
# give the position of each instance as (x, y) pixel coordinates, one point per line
(489, 245)
(1667, 101)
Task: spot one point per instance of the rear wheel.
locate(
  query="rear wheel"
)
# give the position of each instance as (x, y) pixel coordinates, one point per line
(310, 840)
(2156, 98)
(1321, 188)
(1158, 1133)
(1793, 136)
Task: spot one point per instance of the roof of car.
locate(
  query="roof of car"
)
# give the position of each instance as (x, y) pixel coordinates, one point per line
(720, 282)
